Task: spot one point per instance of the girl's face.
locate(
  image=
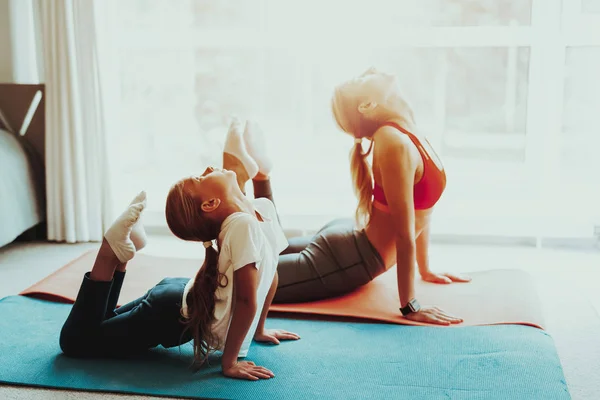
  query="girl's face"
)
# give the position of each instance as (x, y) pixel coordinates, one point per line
(194, 204)
(213, 183)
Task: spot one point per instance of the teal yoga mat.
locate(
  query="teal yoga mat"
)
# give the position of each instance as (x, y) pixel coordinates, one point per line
(333, 360)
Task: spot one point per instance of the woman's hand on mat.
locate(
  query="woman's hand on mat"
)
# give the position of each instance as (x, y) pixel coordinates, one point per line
(444, 277)
(247, 370)
(433, 315)
(274, 336)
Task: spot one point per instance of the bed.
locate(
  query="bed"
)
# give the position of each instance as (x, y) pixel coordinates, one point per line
(22, 175)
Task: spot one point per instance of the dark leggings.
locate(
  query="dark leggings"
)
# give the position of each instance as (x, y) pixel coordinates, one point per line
(335, 261)
(95, 328)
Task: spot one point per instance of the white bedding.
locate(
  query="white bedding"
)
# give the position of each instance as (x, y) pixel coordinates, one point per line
(19, 207)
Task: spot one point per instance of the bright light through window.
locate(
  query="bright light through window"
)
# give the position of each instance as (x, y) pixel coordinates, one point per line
(474, 72)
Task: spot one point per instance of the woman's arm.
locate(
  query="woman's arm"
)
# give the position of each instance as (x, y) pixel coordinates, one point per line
(398, 165)
(398, 162)
(423, 259)
(422, 243)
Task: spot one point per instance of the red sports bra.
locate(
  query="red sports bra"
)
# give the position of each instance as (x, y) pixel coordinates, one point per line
(430, 187)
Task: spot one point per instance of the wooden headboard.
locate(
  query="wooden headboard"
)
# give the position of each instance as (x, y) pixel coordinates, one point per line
(22, 112)
(15, 102)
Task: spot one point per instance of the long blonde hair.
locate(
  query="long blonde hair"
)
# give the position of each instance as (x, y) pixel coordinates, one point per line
(348, 119)
(187, 221)
(360, 169)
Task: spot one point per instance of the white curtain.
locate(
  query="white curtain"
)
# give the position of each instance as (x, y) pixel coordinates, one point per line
(76, 157)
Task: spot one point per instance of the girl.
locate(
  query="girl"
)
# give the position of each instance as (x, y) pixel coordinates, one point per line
(223, 308)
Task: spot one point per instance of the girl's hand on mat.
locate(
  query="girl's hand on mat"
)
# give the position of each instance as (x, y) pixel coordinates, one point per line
(274, 336)
(247, 370)
(444, 277)
(433, 315)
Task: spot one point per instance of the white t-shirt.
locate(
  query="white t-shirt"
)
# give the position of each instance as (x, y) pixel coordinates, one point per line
(245, 240)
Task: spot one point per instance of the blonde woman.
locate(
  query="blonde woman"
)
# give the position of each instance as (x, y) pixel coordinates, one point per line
(397, 195)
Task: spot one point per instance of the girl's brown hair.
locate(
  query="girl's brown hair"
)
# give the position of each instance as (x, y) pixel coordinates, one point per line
(187, 221)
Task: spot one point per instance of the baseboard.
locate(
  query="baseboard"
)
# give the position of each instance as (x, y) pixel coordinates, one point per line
(591, 244)
(484, 240)
(578, 244)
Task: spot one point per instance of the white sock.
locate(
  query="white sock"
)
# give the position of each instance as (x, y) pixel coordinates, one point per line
(138, 234)
(256, 145)
(118, 235)
(234, 145)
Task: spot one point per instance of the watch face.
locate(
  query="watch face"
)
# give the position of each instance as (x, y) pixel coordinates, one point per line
(413, 305)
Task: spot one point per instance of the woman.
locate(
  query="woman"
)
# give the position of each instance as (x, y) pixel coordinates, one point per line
(396, 198)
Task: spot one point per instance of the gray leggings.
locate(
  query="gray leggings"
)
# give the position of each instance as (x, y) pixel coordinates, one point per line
(336, 261)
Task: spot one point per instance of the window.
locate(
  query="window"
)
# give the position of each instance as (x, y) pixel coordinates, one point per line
(505, 90)
(577, 196)
(591, 6)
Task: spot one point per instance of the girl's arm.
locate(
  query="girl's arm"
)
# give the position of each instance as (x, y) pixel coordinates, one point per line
(263, 316)
(243, 252)
(246, 283)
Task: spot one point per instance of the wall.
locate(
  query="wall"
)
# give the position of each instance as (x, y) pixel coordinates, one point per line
(6, 72)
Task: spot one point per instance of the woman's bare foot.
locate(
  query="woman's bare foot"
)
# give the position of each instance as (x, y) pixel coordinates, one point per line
(236, 157)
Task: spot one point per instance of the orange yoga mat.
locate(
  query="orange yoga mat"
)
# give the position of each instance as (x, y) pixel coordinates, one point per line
(493, 297)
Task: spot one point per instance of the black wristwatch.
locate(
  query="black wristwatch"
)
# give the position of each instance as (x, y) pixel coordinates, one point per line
(411, 307)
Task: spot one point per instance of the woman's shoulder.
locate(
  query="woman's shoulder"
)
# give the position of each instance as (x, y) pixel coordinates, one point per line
(387, 136)
(393, 149)
(391, 143)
